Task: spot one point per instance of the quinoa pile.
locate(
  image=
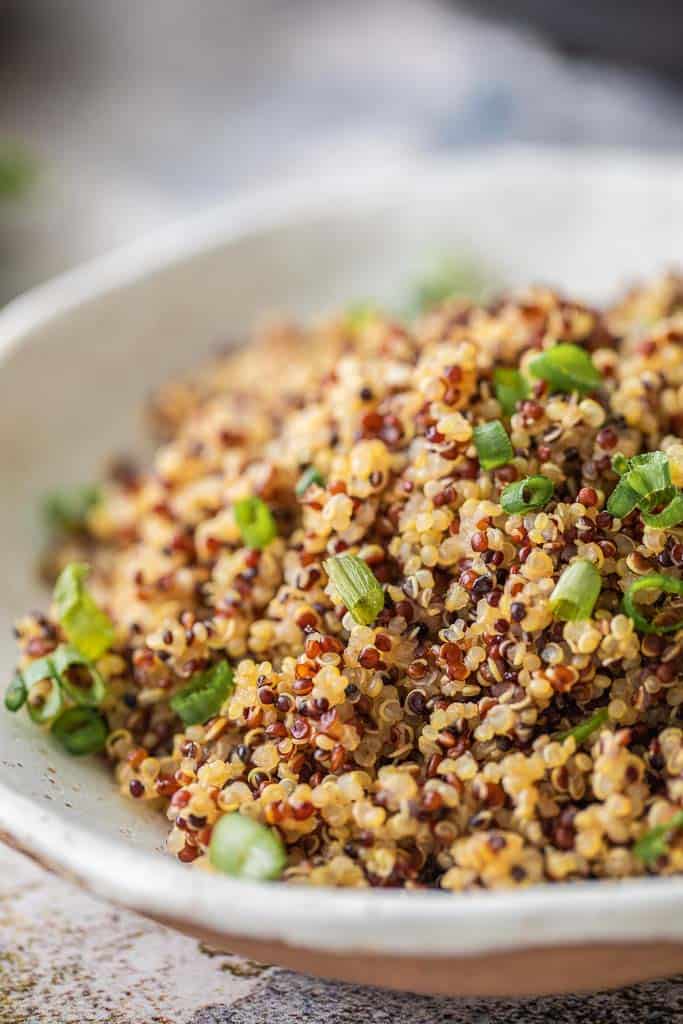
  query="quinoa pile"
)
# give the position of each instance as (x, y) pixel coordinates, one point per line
(432, 747)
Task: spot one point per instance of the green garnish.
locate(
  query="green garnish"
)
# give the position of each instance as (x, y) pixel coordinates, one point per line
(86, 626)
(646, 484)
(647, 474)
(654, 581)
(655, 842)
(357, 587)
(622, 500)
(526, 495)
(81, 731)
(16, 693)
(585, 729)
(493, 445)
(244, 848)
(67, 511)
(576, 591)
(78, 678)
(360, 315)
(509, 387)
(566, 367)
(670, 516)
(67, 672)
(43, 708)
(255, 522)
(17, 172)
(450, 279)
(308, 477)
(204, 695)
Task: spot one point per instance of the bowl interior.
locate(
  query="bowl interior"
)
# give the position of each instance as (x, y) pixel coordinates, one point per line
(78, 358)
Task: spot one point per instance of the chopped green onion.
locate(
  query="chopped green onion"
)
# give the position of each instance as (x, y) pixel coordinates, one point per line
(255, 522)
(510, 387)
(204, 696)
(244, 848)
(360, 315)
(17, 171)
(308, 477)
(357, 587)
(566, 367)
(526, 495)
(648, 475)
(646, 484)
(86, 626)
(655, 581)
(576, 591)
(620, 463)
(81, 731)
(622, 500)
(493, 445)
(655, 842)
(16, 693)
(585, 729)
(38, 670)
(77, 677)
(43, 708)
(450, 278)
(67, 511)
(669, 517)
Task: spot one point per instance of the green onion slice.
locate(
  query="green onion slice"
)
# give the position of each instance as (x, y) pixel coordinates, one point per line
(566, 367)
(308, 477)
(669, 517)
(67, 511)
(526, 495)
(360, 315)
(357, 586)
(255, 522)
(450, 277)
(88, 628)
(81, 731)
(46, 707)
(585, 729)
(16, 693)
(645, 483)
(655, 842)
(622, 500)
(510, 387)
(655, 581)
(576, 591)
(204, 696)
(78, 677)
(493, 445)
(244, 848)
(647, 474)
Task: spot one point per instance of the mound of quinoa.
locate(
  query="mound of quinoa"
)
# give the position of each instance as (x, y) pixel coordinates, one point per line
(421, 750)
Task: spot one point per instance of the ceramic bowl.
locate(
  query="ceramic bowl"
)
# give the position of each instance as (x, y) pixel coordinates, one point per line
(77, 358)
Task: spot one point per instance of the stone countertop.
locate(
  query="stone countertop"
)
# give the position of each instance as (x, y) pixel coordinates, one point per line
(66, 958)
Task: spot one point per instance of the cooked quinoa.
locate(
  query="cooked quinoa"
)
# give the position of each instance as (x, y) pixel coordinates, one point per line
(436, 746)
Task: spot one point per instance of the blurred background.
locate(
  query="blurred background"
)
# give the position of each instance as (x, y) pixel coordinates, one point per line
(117, 116)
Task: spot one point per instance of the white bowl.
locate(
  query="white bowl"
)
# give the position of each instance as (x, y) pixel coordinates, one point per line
(77, 358)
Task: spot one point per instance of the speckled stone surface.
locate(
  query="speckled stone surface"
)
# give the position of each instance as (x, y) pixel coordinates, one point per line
(283, 996)
(66, 958)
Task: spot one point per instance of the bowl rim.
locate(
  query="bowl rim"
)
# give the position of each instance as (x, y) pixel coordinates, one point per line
(380, 921)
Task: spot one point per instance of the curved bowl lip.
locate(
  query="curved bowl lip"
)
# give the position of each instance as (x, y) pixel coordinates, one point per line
(416, 923)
